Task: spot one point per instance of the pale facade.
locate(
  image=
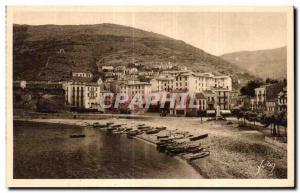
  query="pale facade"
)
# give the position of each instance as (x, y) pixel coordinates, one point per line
(282, 100)
(260, 94)
(83, 95)
(191, 82)
(82, 74)
(132, 88)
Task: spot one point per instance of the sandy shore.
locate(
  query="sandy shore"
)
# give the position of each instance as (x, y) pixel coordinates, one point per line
(234, 153)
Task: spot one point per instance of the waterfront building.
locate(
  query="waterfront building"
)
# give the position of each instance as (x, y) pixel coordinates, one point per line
(131, 88)
(83, 95)
(223, 82)
(162, 83)
(222, 96)
(260, 94)
(190, 81)
(83, 92)
(282, 100)
(267, 97)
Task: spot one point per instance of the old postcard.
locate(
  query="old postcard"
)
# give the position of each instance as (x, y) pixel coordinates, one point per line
(150, 97)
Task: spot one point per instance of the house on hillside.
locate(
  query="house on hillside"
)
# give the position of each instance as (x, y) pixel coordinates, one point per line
(107, 68)
(85, 74)
(266, 97)
(282, 100)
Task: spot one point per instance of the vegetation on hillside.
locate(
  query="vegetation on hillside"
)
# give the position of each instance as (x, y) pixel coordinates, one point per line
(51, 52)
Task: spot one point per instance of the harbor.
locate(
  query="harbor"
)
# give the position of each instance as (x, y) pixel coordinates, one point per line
(212, 149)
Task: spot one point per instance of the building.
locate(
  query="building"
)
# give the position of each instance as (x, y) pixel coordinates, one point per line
(107, 68)
(223, 100)
(233, 99)
(82, 74)
(211, 99)
(282, 100)
(260, 94)
(132, 88)
(222, 82)
(191, 82)
(267, 97)
(120, 69)
(271, 106)
(83, 95)
(163, 83)
(83, 92)
(131, 70)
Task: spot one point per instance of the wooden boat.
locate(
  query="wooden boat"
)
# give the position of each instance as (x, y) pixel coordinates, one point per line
(198, 155)
(133, 133)
(144, 127)
(118, 130)
(194, 150)
(110, 129)
(198, 137)
(77, 135)
(97, 125)
(152, 131)
(162, 136)
(161, 128)
(109, 123)
(175, 150)
(126, 130)
(116, 126)
(178, 136)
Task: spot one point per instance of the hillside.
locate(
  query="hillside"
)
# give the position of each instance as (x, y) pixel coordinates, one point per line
(263, 63)
(51, 52)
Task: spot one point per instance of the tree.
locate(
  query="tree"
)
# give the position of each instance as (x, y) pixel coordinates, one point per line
(236, 113)
(249, 88)
(201, 113)
(251, 116)
(272, 81)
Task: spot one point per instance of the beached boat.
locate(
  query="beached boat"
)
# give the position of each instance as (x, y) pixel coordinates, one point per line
(198, 137)
(194, 150)
(175, 149)
(143, 127)
(110, 129)
(178, 136)
(109, 123)
(152, 131)
(97, 125)
(116, 126)
(197, 156)
(133, 133)
(161, 128)
(118, 130)
(77, 135)
(126, 130)
(162, 136)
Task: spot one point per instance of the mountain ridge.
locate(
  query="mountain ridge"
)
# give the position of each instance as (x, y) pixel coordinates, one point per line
(266, 63)
(51, 52)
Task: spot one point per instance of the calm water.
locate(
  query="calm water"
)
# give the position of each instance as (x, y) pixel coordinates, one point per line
(46, 151)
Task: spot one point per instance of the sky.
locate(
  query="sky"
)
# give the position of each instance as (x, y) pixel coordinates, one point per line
(215, 32)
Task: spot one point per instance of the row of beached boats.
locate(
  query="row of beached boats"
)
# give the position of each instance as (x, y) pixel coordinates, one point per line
(190, 148)
(186, 145)
(131, 132)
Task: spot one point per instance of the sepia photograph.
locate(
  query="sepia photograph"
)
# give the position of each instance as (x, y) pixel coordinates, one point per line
(150, 96)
